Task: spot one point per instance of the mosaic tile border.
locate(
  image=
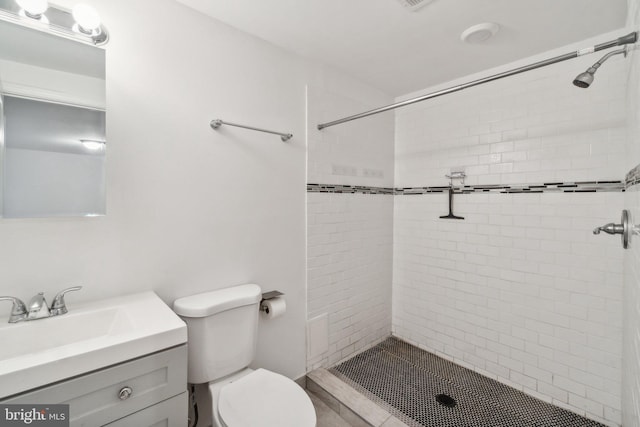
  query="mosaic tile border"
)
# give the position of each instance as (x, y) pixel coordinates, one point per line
(549, 187)
(349, 189)
(632, 178)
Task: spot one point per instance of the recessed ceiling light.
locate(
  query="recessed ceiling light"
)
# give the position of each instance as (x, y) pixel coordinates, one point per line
(479, 33)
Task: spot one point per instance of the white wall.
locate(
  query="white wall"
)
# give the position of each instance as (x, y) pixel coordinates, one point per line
(349, 236)
(354, 153)
(521, 290)
(631, 333)
(189, 209)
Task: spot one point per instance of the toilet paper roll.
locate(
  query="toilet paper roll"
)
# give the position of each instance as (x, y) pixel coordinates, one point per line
(274, 307)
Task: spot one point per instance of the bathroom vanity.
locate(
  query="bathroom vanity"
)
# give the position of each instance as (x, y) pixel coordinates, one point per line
(120, 362)
(141, 392)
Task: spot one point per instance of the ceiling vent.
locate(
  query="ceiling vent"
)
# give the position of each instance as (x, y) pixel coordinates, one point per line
(414, 5)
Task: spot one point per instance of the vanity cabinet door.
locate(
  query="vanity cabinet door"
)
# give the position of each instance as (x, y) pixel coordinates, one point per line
(170, 413)
(103, 396)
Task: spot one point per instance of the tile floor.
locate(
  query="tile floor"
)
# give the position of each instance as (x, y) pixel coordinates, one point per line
(326, 416)
(405, 380)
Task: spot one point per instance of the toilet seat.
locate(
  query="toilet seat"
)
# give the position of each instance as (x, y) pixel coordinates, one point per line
(264, 398)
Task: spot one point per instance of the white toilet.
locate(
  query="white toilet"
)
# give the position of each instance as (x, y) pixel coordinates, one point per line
(222, 327)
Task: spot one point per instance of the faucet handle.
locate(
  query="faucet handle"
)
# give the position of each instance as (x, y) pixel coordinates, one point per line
(18, 311)
(58, 306)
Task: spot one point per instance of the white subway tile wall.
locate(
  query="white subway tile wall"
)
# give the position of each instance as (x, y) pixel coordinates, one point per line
(349, 253)
(530, 128)
(631, 333)
(521, 290)
(631, 354)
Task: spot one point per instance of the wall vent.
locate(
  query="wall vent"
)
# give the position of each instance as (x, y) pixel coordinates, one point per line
(414, 5)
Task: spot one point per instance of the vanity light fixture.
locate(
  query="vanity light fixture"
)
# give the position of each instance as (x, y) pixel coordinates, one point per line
(83, 23)
(34, 9)
(93, 144)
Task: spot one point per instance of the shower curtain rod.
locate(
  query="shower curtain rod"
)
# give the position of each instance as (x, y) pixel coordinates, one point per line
(629, 38)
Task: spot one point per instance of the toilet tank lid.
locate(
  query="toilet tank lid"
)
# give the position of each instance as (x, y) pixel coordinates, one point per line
(210, 303)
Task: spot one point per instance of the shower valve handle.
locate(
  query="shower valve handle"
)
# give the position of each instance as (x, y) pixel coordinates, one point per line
(610, 228)
(625, 229)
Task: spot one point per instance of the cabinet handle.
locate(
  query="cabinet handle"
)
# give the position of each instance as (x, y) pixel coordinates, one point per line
(125, 393)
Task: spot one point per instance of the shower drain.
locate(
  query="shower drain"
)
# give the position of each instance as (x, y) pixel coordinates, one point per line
(446, 400)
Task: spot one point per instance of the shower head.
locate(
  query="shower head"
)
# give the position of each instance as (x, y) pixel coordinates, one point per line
(584, 80)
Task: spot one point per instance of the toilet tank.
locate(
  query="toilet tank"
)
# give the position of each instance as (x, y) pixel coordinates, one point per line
(222, 326)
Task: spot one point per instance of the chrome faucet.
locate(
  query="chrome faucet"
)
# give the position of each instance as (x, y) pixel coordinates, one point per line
(38, 308)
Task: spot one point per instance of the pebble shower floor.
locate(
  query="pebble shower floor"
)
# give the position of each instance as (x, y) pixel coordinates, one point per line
(405, 380)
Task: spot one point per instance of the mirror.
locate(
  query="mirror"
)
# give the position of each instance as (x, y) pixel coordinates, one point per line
(52, 125)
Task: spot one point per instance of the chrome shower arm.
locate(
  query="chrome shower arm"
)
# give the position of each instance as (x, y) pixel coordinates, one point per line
(609, 55)
(584, 80)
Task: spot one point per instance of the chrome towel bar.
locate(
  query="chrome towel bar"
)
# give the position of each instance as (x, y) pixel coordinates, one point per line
(215, 124)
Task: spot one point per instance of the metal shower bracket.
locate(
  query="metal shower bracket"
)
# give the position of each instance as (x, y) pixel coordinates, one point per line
(454, 175)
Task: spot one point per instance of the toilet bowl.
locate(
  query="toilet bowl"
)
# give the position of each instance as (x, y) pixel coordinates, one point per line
(261, 398)
(222, 327)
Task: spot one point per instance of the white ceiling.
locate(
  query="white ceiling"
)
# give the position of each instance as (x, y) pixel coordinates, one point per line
(399, 51)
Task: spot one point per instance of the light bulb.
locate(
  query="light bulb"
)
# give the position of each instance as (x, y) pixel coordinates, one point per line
(34, 8)
(86, 17)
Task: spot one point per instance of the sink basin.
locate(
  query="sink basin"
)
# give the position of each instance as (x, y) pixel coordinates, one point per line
(29, 338)
(88, 337)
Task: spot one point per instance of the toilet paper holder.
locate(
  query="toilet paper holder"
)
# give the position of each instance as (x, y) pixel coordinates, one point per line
(267, 296)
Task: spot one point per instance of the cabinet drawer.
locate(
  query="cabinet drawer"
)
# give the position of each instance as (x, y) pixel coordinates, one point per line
(170, 413)
(94, 398)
